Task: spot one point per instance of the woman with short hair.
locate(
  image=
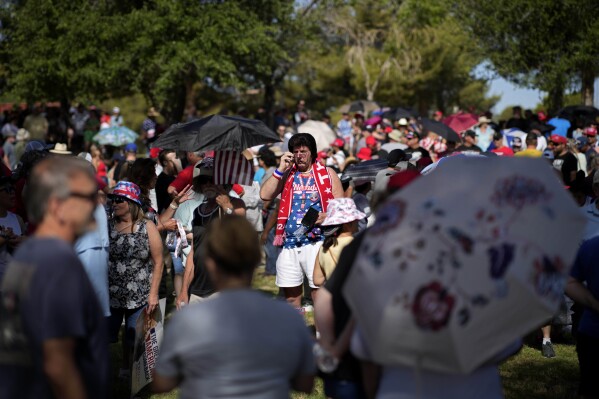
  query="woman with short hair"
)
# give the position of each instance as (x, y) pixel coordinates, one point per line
(239, 343)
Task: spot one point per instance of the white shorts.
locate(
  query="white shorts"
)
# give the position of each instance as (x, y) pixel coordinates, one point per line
(294, 263)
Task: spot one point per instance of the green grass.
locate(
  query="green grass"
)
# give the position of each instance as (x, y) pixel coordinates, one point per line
(528, 375)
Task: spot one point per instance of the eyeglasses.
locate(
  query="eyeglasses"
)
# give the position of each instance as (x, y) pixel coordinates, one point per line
(93, 197)
(118, 200)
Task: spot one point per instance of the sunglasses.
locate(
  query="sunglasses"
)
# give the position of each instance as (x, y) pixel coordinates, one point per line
(118, 200)
(8, 190)
(93, 197)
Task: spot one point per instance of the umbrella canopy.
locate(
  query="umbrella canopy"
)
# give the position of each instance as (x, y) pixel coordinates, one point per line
(216, 132)
(366, 170)
(362, 106)
(444, 286)
(579, 111)
(460, 122)
(115, 136)
(375, 120)
(321, 132)
(441, 129)
(400, 112)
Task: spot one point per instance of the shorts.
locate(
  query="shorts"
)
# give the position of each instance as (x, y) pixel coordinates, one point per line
(115, 321)
(177, 264)
(587, 348)
(294, 263)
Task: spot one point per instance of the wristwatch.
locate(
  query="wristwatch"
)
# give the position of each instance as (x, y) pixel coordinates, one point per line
(229, 211)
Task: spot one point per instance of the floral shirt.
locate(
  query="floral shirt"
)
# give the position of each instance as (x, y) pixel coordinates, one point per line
(129, 267)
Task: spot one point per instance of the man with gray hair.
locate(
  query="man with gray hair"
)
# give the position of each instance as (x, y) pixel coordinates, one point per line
(52, 338)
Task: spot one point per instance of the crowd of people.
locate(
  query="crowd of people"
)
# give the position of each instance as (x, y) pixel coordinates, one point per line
(89, 236)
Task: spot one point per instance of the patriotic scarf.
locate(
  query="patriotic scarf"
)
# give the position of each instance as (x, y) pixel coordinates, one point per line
(325, 189)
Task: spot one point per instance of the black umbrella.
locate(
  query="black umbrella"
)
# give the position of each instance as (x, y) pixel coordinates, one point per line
(367, 170)
(441, 129)
(578, 111)
(400, 112)
(541, 127)
(216, 132)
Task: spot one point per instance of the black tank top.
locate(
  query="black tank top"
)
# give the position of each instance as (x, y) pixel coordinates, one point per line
(201, 284)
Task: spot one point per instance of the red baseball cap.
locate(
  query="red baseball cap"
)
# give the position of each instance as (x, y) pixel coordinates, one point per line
(365, 154)
(542, 116)
(154, 152)
(322, 154)
(338, 143)
(556, 138)
(388, 129)
(371, 140)
(590, 131)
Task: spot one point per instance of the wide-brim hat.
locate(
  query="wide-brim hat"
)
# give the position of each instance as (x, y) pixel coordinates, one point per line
(341, 211)
(127, 190)
(483, 119)
(60, 148)
(395, 135)
(23, 134)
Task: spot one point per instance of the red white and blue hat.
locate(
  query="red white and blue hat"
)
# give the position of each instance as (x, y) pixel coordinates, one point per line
(127, 190)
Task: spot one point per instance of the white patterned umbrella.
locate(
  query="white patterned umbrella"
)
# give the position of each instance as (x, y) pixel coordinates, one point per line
(464, 261)
(115, 136)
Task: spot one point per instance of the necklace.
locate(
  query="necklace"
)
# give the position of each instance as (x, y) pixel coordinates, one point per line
(202, 214)
(123, 228)
(304, 186)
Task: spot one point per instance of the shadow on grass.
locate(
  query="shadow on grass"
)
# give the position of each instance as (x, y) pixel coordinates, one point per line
(530, 375)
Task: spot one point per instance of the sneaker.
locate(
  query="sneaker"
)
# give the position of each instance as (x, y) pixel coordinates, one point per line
(547, 350)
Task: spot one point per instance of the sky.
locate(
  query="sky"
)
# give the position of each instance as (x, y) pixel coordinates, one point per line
(513, 95)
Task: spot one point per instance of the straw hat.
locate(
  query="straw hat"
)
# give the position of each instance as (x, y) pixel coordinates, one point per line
(61, 148)
(341, 211)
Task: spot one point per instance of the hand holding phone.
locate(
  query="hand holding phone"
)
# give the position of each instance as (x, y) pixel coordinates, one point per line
(286, 162)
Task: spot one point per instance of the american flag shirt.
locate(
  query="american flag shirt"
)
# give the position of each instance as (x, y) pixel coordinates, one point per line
(305, 196)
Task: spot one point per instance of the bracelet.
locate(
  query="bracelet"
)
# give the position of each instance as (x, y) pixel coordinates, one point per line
(173, 206)
(277, 175)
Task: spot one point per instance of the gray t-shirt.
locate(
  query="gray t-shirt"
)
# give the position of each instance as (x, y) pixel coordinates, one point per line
(239, 344)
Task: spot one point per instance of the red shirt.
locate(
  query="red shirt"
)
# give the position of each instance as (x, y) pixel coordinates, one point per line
(184, 178)
(504, 151)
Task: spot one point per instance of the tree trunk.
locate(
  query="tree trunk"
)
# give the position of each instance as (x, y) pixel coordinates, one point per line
(588, 86)
(174, 106)
(269, 102)
(556, 98)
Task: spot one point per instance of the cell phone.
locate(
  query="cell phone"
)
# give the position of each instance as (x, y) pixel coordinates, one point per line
(310, 218)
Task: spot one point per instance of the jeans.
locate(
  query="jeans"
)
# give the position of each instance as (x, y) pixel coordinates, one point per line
(343, 389)
(272, 253)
